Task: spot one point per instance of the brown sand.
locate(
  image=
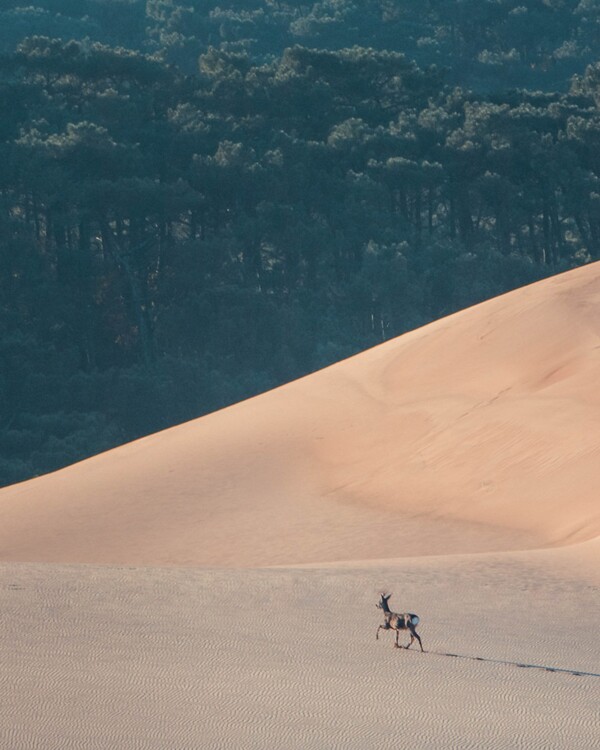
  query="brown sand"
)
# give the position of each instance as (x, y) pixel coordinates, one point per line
(457, 466)
(106, 658)
(488, 419)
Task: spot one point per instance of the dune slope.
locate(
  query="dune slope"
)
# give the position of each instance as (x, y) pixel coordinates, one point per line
(488, 420)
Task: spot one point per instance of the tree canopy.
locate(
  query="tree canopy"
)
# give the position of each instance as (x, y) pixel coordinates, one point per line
(202, 200)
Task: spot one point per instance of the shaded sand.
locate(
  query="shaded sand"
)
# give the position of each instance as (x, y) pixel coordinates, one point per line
(105, 658)
(479, 432)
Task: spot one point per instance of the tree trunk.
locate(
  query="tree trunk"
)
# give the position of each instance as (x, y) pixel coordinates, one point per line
(137, 294)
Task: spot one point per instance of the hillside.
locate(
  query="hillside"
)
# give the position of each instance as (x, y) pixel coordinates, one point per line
(478, 432)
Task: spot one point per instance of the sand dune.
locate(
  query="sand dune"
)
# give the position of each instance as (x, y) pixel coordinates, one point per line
(457, 466)
(154, 658)
(488, 419)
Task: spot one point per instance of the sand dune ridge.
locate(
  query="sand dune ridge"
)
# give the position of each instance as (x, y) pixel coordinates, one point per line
(488, 419)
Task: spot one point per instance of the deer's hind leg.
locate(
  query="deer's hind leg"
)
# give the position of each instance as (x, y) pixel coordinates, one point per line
(413, 635)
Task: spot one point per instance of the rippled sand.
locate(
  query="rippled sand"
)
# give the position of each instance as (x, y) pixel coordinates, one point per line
(105, 658)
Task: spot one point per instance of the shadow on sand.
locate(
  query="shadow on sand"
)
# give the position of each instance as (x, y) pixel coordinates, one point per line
(522, 665)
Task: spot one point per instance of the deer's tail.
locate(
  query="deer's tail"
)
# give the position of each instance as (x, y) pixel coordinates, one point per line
(414, 620)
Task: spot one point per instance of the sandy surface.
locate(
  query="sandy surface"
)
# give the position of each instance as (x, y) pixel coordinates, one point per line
(105, 658)
(214, 585)
(488, 419)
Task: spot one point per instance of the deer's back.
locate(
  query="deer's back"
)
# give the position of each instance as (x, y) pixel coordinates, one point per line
(402, 621)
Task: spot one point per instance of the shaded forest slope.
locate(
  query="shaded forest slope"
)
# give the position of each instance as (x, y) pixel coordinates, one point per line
(200, 201)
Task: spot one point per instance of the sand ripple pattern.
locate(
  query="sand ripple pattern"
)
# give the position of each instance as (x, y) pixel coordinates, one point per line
(148, 659)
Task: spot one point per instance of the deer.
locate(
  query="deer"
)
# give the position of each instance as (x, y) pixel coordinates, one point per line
(394, 621)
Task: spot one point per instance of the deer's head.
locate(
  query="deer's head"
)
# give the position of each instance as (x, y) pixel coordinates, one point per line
(383, 602)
